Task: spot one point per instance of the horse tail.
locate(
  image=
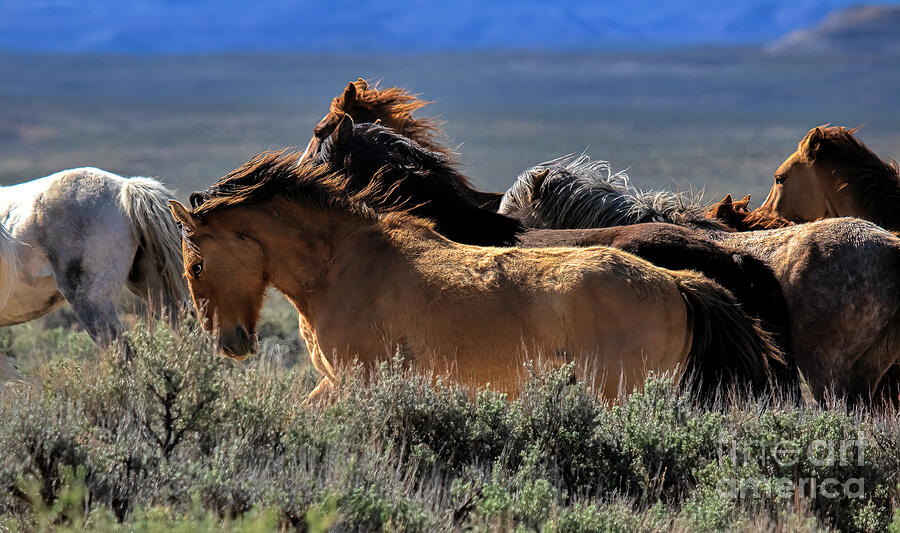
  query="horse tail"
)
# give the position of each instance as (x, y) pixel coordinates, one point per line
(8, 266)
(761, 296)
(728, 347)
(145, 202)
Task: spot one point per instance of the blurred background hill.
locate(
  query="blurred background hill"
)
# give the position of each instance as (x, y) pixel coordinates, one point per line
(208, 26)
(687, 95)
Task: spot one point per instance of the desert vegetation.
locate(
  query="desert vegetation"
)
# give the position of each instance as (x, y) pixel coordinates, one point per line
(181, 439)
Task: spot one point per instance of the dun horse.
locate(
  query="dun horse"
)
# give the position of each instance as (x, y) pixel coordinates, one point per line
(80, 236)
(364, 281)
(833, 174)
(401, 164)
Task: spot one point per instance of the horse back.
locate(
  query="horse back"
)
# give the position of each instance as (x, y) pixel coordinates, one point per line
(750, 280)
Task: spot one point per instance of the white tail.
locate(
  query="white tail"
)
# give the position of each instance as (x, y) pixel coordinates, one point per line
(8, 266)
(146, 201)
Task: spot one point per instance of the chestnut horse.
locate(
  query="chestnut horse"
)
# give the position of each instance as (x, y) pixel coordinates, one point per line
(736, 214)
(833, 174)
(366, 284)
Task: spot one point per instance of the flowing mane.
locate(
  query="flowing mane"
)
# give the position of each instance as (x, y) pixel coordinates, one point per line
(276, 174)
(394, 108)
(577, 193)
(873, 183)
(365, 164)
(414, 178)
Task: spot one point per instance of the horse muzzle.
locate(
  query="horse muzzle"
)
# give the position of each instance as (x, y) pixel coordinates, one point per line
(238, 344)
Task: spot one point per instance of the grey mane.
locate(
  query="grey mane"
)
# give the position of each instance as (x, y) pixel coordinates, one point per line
(580, 193)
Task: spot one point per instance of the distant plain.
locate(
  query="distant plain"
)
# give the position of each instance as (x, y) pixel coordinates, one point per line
(719, 120)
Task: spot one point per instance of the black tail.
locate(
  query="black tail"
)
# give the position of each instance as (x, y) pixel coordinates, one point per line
(729, 348)
(761, 296)
(749, 280)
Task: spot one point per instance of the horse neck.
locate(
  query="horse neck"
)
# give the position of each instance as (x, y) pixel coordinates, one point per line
(838, 202)
(321, 259)
(883, 209)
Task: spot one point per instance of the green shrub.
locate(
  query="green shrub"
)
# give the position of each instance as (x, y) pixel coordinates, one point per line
(183, 439)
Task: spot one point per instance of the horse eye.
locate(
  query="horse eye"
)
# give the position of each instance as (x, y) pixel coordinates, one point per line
(779, 179)
(197, 269)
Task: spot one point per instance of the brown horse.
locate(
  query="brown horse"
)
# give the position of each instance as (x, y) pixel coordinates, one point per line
(366, 284)
(393, 108)
(833, 174)
(736, 214)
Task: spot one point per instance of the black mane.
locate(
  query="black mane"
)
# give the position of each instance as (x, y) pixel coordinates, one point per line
(413, 178)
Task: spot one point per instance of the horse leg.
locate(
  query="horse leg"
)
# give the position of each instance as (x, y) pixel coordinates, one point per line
(91, 296)
(871, 376)
(319, 393)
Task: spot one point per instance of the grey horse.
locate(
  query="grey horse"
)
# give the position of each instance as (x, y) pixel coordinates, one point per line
(81, 235)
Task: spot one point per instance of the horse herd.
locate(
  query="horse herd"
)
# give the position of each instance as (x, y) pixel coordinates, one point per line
(383, 246)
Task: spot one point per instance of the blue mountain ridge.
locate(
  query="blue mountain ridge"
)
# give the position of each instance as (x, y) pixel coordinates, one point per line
(207, 26)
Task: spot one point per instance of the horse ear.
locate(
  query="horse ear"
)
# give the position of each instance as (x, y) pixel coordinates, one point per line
(810, 145)
(342, 133)
(348, 99)
(727, 200)
(743, 203)
(537, 181)
(182, 215)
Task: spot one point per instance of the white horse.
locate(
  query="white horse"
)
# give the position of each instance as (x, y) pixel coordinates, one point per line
(80, 235)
